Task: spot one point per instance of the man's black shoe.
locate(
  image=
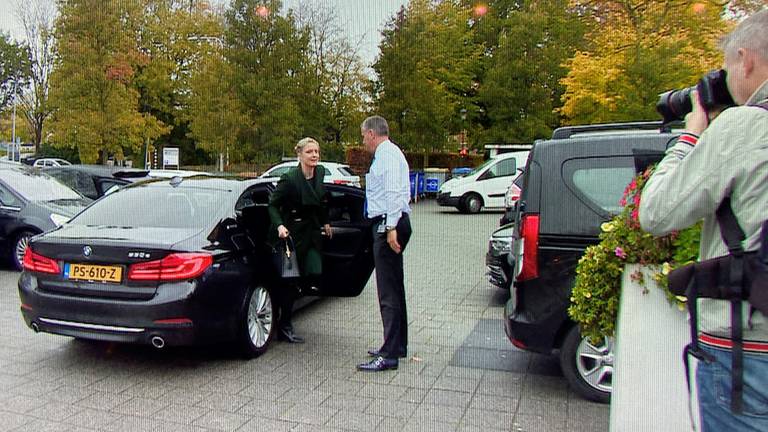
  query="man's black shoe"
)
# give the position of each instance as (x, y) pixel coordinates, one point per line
(376, 353)
(288, 335)
(378, 364)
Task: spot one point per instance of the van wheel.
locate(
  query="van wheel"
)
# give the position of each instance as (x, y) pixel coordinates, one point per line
(257, 322)
(588, 367)
(473, 203)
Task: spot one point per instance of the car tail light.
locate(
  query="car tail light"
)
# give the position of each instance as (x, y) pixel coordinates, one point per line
(341, 182)
(176, 266)
(35, 262)
(530, 237)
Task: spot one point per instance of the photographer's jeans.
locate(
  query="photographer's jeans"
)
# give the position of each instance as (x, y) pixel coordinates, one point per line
(714, 388)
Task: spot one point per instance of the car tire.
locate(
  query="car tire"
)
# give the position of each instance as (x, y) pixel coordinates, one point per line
(588, 367)
(257, 322)
(472, 203)
(18, 247)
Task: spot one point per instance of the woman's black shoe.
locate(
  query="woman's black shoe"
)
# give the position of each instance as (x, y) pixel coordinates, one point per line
(288, 335)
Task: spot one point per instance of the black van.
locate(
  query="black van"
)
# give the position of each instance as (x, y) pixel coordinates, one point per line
(572, 184)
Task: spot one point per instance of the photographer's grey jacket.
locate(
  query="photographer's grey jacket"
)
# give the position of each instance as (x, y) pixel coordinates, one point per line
(730, 158)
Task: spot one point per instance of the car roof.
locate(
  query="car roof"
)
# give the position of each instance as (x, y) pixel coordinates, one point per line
(233, 183)
(102, 170)
(169, 173)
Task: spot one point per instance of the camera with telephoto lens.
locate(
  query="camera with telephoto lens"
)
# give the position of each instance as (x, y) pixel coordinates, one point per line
(713, 94)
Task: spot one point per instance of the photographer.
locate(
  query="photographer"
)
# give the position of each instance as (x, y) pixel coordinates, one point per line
(721, 157)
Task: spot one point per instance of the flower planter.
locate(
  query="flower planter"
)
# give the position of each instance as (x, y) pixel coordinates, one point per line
(649, 387)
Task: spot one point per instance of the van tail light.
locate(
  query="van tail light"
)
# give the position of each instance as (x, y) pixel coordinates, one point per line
(530, 237)
(34, 262)
(177, 266)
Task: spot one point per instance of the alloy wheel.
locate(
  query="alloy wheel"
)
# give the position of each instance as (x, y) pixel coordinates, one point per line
(595, 363)
(260, 317)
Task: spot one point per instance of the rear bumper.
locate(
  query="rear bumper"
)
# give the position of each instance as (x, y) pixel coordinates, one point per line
(445, 199)
(533, 324)
(173, 314)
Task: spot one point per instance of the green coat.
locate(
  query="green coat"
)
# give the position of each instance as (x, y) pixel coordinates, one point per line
(301, 205)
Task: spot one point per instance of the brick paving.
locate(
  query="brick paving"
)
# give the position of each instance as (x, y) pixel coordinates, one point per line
(461, 375)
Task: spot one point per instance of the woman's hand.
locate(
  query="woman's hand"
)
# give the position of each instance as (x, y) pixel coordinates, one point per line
(282, 232)
(328, 230)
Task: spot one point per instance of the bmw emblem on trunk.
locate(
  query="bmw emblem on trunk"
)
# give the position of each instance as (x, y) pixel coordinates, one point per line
(87, 251)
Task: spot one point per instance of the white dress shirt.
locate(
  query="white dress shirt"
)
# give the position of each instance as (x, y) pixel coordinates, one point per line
(387, 184)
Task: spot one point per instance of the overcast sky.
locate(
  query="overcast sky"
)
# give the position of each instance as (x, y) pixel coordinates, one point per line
(360, 18)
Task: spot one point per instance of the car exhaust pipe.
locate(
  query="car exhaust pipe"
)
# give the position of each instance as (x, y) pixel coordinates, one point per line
(157, 342)
(35, 327)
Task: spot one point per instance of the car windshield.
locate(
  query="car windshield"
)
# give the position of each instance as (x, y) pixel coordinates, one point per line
(157, 206)
(35, 186)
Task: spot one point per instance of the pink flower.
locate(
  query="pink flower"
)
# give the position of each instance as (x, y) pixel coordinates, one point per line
(620, 252)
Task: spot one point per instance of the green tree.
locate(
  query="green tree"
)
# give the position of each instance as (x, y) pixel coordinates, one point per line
(267, 53)
(527, 44)
(37, 17)
(216, 115)
(96, 106)
(14, 69)
(425, 72)
(333, 79)
(176, 37)
(639, 49)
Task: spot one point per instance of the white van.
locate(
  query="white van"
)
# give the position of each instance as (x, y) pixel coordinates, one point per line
(485, 186)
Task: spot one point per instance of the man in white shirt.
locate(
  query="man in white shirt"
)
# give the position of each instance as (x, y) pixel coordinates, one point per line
(387, 191)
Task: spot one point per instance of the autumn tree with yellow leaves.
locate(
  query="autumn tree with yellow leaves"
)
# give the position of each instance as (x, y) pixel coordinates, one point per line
(637, 50)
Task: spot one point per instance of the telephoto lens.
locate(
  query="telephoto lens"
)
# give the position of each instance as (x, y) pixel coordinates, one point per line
(675, 104)
(713, 94)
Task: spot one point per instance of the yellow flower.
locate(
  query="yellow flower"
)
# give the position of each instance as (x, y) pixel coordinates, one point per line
(588, 294)
(607, 227)
(665, 268)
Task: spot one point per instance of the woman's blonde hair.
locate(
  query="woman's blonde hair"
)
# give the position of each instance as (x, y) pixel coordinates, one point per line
(303, 143)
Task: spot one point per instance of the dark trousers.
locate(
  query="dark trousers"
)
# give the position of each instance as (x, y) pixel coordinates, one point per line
(391, 289)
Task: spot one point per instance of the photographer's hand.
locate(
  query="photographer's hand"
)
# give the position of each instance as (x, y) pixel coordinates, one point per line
(698, 119)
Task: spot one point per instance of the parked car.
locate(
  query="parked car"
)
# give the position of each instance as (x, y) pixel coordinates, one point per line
(31, 202)
(180, 261)
(335, 173)
(50, 162)
(572, 183)
(497, 266)
(485, 186)
(94, 181)
(511, 197)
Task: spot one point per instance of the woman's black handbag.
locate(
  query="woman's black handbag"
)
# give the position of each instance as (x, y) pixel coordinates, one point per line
(285, 259)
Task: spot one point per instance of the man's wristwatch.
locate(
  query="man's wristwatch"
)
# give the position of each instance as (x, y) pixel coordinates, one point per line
(389, 228)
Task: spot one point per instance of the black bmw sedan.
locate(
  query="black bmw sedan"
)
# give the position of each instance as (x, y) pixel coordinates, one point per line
(180, 261)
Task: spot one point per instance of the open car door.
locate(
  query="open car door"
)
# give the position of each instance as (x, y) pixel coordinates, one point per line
(348, 255)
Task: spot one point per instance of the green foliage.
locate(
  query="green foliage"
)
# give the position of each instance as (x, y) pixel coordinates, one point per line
(96, 106)
(14, 69)
(595, 295)
(639, 49)
(425, 70)
(520, 87)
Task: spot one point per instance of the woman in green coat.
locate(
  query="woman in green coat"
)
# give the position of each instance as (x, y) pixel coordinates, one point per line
(297, 208)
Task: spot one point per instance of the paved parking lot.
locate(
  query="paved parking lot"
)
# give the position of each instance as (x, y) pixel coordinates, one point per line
(461, 375)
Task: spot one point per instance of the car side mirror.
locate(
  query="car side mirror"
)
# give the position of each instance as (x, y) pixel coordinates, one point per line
(112, 189)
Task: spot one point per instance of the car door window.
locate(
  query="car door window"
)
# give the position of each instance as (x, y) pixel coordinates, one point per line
(505, 167)
(600, 180)
(7, 199)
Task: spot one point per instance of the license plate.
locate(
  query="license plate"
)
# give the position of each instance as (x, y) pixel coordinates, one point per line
(92, 272)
